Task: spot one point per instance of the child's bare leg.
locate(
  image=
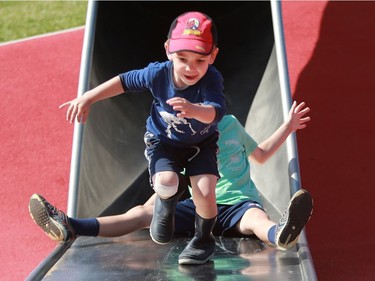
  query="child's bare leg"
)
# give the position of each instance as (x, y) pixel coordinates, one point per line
(59, 227)
(285, 233)
(136, 218)
(255, 221)
(203, 188)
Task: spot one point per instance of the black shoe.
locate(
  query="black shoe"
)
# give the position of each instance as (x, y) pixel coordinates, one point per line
(295, 217)
(201, 248)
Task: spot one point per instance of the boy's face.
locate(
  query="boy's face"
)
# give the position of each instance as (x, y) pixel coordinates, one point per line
(189, 67)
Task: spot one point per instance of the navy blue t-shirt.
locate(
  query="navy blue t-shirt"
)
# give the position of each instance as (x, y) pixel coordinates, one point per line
(163, 122)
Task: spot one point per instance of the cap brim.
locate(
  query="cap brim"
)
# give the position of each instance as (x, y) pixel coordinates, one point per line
(189, 45)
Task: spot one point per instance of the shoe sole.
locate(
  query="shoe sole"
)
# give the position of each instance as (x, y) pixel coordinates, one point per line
(300, 211)
(160, 242)
(187, 261)
(39, 214)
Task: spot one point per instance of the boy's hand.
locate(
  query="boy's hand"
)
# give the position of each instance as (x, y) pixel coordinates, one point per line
(296, 119)
(185, 107)
(78, 109)
(203, 113)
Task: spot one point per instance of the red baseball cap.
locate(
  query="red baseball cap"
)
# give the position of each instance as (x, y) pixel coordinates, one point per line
(193, 32)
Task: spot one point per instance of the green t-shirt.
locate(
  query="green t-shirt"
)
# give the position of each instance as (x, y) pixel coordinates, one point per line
(235, 145)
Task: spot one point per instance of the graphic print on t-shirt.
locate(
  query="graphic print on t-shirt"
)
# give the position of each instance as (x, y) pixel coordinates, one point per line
(173, 121)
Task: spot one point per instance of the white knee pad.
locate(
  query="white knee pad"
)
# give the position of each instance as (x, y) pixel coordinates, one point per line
(165, 191)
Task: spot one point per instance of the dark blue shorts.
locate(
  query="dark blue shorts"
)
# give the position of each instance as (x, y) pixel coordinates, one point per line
(196, 160)
(228, 216)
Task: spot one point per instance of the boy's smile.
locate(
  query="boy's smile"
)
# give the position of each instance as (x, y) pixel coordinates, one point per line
(189, 67)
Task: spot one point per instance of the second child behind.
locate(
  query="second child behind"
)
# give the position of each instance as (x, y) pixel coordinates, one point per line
(181, 131)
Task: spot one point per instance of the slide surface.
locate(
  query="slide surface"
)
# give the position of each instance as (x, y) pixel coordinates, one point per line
(109, 172)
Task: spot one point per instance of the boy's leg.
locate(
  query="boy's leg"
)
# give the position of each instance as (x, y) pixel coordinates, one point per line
(254, 221)
(201, 248)
(293, 220)
(163, 219)
(164, 165)
(59, 227)
(134, 219)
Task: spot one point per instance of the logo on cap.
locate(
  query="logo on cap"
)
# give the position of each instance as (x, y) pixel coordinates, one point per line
(192, 27)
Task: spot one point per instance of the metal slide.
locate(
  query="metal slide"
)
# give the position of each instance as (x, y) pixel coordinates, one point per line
(109, 172)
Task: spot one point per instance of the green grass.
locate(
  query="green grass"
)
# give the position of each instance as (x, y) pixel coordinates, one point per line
(20, 19)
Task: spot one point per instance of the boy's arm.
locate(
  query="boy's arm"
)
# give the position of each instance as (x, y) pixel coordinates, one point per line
(80, 107)
(296, 121)
(202, 112)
